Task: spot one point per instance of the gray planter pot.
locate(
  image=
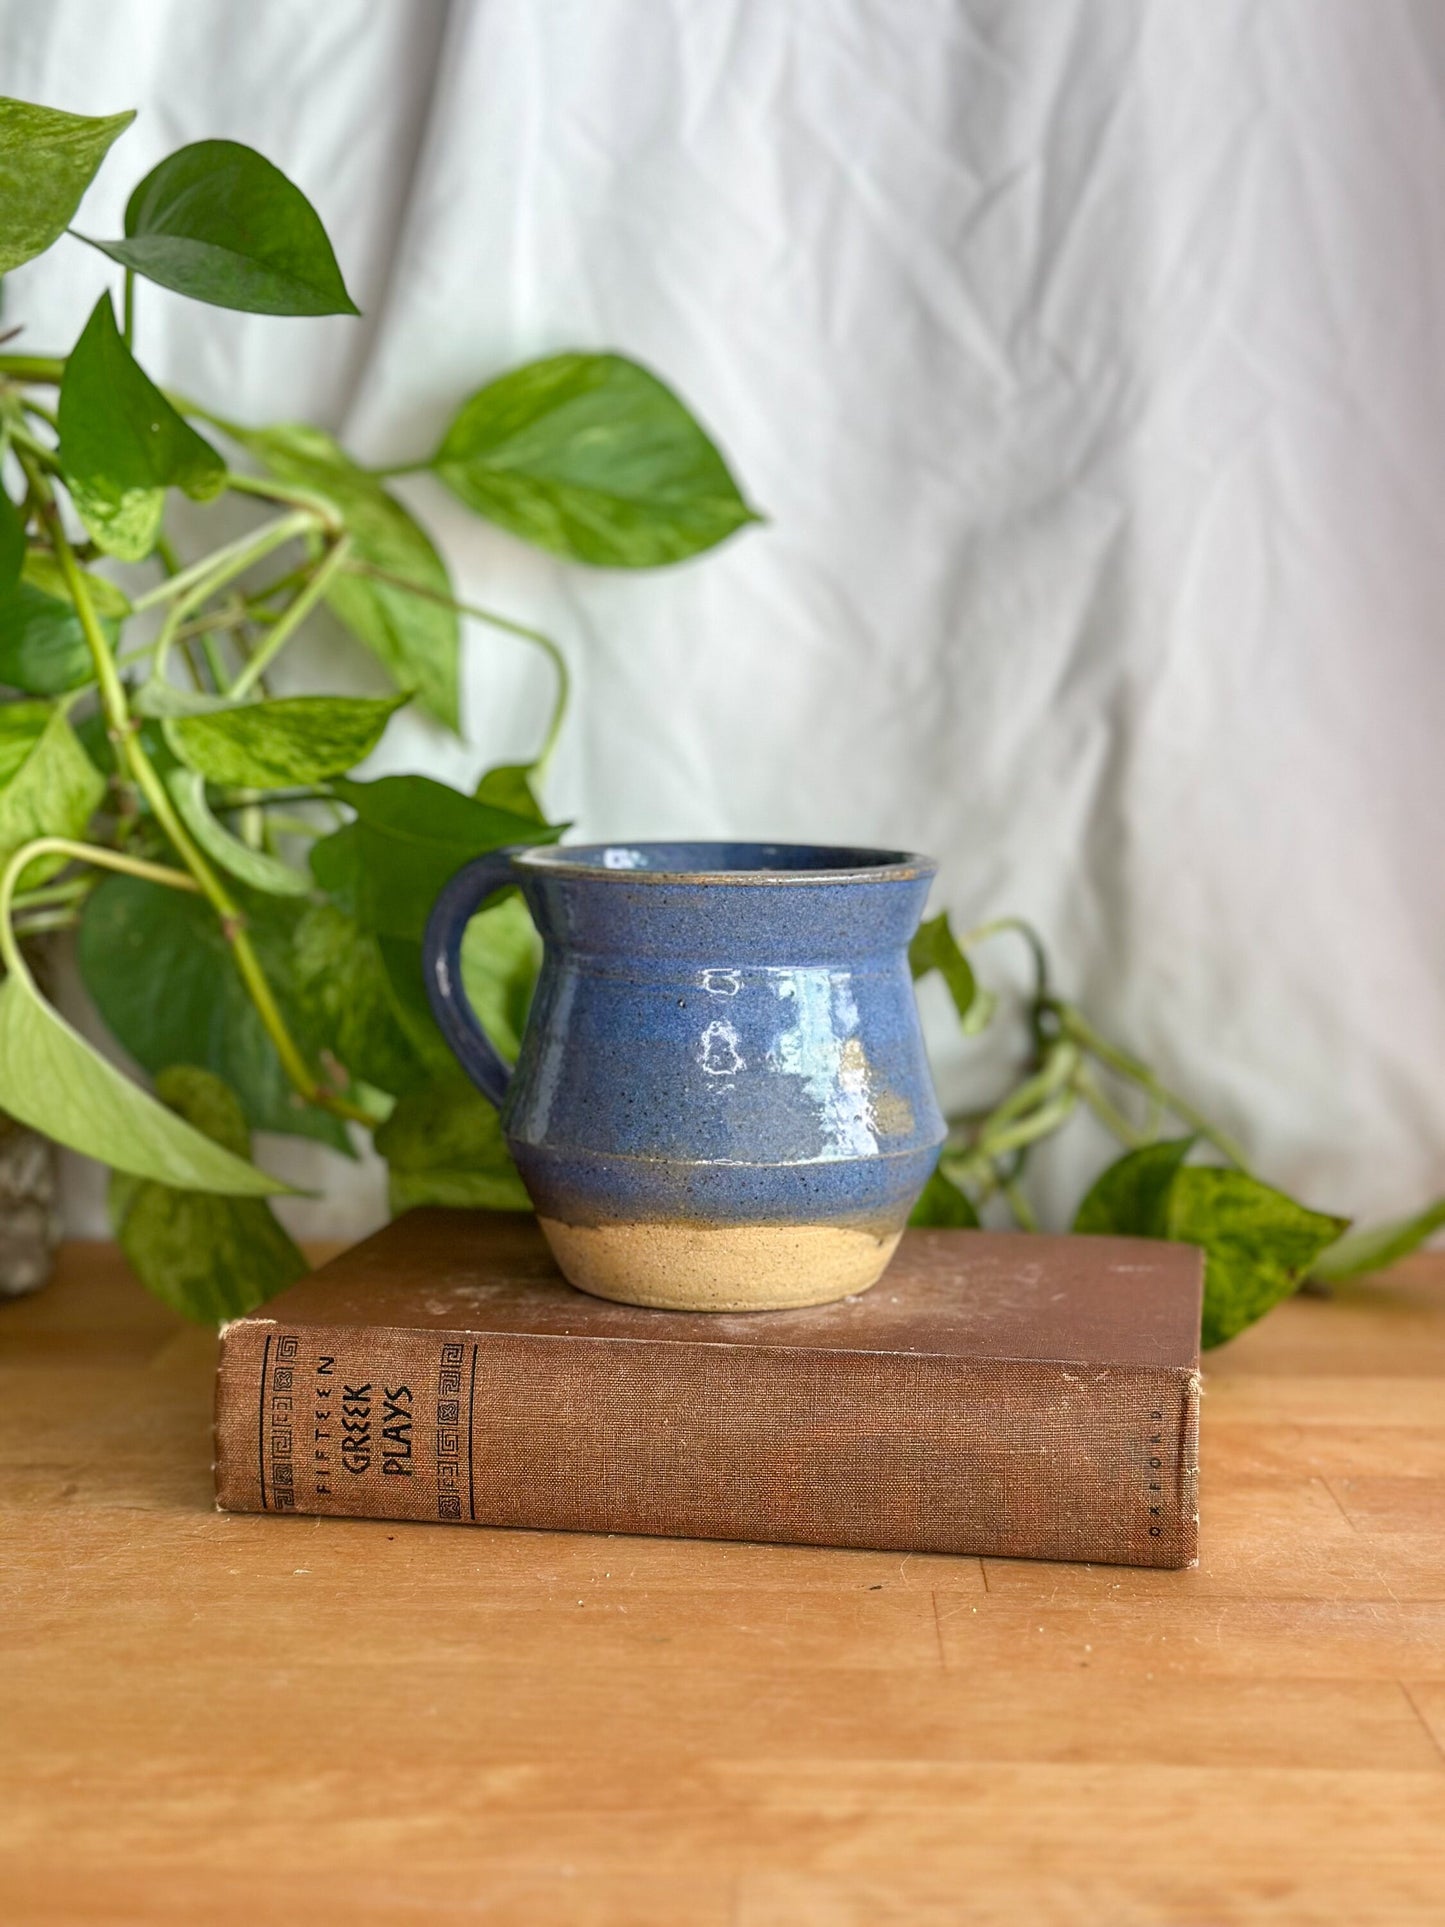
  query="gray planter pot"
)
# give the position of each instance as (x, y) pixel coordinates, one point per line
(29, 1221)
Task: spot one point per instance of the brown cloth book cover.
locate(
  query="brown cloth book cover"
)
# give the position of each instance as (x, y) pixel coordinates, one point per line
(1024, 1396)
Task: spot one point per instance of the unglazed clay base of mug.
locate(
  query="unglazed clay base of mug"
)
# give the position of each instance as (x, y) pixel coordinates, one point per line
(692, 1267)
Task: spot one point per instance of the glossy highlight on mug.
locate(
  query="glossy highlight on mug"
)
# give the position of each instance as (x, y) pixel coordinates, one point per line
(722, 1100)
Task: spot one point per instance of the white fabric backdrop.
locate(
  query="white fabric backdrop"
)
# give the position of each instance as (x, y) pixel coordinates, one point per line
(1085, 357)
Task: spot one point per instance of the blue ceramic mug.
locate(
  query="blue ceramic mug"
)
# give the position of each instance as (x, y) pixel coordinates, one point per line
(722, 1101)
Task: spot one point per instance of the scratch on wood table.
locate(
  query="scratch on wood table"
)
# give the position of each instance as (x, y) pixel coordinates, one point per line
(243, 1719)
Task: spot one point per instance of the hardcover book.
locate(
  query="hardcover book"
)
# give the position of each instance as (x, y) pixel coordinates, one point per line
(994, 1393)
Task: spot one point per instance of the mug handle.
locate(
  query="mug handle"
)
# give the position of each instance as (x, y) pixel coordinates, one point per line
(441, 952)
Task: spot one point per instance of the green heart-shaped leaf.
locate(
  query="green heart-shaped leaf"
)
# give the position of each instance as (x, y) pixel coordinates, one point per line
(1131, 1199)
(501, 953)
(217, 222)
(406, 980)
(592, 457)
(343, 985)
(934, 947)
(55, 1082)
(414, 638)
(411, 835)
(509, 787)
(43, 649)
(444, 1145)
(1258, 1243)
(943, 1203)
(47, 161)
(48, 785)
(209, 1257)
(270, 745)
(160, 972)
(12, 544)
(122, 445)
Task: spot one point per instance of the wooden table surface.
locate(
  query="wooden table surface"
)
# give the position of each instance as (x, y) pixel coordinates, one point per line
(217, 1718)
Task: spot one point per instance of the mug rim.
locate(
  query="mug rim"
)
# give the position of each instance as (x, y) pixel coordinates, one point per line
(875, 866)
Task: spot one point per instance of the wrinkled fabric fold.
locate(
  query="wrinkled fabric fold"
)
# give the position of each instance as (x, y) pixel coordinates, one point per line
(1083, 356)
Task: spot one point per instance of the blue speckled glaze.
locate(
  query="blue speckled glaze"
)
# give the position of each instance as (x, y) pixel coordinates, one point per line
(723, 1033)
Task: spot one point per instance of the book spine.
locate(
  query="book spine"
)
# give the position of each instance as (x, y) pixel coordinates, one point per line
(892, 1451)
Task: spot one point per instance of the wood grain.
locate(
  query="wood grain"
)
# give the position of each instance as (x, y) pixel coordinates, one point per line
(238, 1719)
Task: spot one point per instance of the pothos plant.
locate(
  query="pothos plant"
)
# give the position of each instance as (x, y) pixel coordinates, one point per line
(248, 912)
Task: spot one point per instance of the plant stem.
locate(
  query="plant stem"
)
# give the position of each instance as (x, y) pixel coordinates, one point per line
(1118, 1060)
(284, 825)
(197, 680)
(1057, 1069)
(48, 370)
(495, 621)
(300, 607)
(269, 491)
(26, 444)
(82, 853)
(417, 467)
(963, 1168)
(51, 893)
(245, 646)
(230, 615)
(41, 923)
(229, 561)
(999, 926)
(1018, 1203)
(149, 782)
(1109, 1115)
(1040, 1123)
(283, 585)
(1077, 1026)
(237, 799)
(127, 326)
(211, 650)
(237, 560)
